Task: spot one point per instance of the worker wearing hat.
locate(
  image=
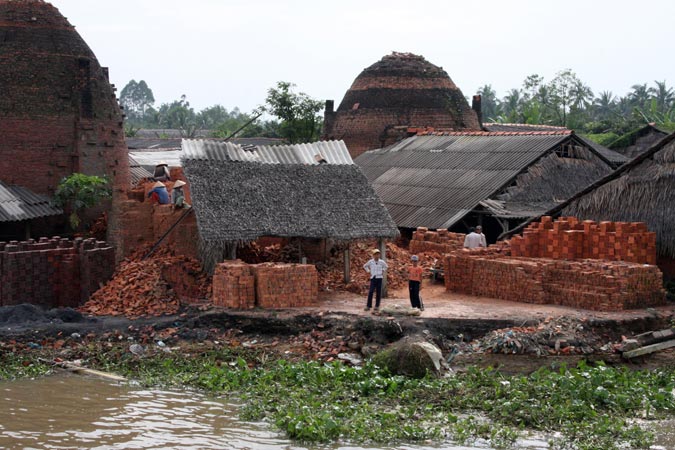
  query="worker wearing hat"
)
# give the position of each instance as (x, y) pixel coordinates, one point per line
(159, 194)
(178, 196)
(375, 267)
(415, 272)
(162, 172)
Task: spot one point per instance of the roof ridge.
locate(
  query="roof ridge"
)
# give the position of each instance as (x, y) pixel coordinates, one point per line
(561, 132)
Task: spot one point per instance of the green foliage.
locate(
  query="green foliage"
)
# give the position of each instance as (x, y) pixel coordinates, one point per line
(588, 406)
(78, 192)
(297, 112)
(603, 139)
(568, 101)
(14, 366)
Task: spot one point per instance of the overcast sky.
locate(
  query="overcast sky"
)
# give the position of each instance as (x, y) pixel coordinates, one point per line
(230, 52)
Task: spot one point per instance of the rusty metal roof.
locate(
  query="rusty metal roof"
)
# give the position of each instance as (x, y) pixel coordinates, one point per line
(333, 152)
(434, 180)
(18, 203)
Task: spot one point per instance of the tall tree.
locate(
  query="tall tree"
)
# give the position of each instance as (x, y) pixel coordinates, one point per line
(136, 98)
(489, 103)
(568, 95)
(179, 115)
(298, 113)
(663, 95)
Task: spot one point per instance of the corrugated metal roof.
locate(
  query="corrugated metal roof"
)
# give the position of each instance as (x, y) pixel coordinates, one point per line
(18, 203)
(333, 152)
(137, 172)
(434, 180)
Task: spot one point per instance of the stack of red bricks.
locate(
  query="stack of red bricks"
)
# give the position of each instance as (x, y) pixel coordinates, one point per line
(439, 241)
(234, 285)
(186, 278)
(268, 285)
(53, 272)
(568, 238)
(541, 267)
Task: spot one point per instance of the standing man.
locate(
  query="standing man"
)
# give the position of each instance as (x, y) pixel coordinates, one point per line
(375, 267)
(475, 239)
(415, 282)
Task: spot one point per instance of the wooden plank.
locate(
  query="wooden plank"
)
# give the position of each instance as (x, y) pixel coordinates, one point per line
(652, 337)
(649, 349)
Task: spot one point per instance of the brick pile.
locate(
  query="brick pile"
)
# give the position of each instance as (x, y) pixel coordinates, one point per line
(267, 285)
(53, 272)
(439, 241)
(568, 238)
(234, 285)
(285, 285)
(515, 271)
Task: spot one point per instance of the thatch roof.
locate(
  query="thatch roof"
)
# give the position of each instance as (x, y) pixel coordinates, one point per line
(642, 190)
(238, 201)
(435, 180)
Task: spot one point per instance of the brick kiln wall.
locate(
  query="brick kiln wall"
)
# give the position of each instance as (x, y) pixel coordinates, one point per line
(53, 272)
(549, 268)
(60, 114)
(268, 285)
(400, 90)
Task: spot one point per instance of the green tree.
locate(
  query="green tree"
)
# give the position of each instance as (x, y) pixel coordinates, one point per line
(78, 191)
(178, 115)
(297, 112)
(136, 98)
(569, 96)
(663, 95)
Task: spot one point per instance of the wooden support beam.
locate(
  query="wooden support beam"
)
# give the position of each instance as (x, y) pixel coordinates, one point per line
(382, 245)
(347, 265)
(648, 349)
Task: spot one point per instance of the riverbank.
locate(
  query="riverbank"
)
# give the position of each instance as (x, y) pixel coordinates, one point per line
(306, 370)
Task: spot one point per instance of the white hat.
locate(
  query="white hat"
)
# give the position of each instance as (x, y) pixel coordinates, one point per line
(414, 258)
(162, 163)
(179, 183)
(375, 251)
(158, 184)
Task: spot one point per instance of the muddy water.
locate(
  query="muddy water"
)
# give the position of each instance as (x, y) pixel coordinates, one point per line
(75, 412)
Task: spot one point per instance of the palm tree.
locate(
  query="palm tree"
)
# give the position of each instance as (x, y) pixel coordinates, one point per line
(664, 96)
(640, 95)
(511, 105)
(604, 105)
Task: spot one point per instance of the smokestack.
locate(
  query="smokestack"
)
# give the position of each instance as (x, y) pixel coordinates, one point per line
(476, 106)
(329, 106)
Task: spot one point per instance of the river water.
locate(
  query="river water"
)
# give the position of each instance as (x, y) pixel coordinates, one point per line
(76, 412)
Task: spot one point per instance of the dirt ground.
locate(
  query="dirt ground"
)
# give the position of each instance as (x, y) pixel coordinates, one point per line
(516, 337)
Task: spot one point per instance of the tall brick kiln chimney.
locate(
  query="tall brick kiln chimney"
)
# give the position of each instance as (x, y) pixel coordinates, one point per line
(401, 90)
(59, 112)
(477, 107)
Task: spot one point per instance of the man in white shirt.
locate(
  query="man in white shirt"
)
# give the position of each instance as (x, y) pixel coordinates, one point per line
(375, 267)
(475, 239)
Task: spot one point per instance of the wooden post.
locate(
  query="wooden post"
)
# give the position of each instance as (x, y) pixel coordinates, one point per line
(347, 266)
(383, 254)
(233, 251)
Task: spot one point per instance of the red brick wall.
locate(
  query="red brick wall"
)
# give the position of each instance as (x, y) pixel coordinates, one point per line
(234, 285)
(53, 272)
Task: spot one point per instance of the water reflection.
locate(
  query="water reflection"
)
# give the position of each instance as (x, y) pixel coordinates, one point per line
(70, 411)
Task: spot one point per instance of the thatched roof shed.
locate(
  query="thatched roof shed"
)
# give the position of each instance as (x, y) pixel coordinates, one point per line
(642, 190)
(286, 191)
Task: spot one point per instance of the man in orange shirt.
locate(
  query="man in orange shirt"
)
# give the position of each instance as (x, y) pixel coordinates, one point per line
(415, 273)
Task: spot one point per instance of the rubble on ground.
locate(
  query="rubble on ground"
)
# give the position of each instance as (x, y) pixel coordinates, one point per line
(139, 289)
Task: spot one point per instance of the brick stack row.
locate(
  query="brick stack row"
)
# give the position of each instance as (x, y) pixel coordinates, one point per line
(268, 285)
(234, 285)
(568, 238)
(285, 285)
(53, 272)
(587, 284)
(439, 241)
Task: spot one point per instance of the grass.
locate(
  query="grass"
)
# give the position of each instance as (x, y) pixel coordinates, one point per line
(590, 406)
